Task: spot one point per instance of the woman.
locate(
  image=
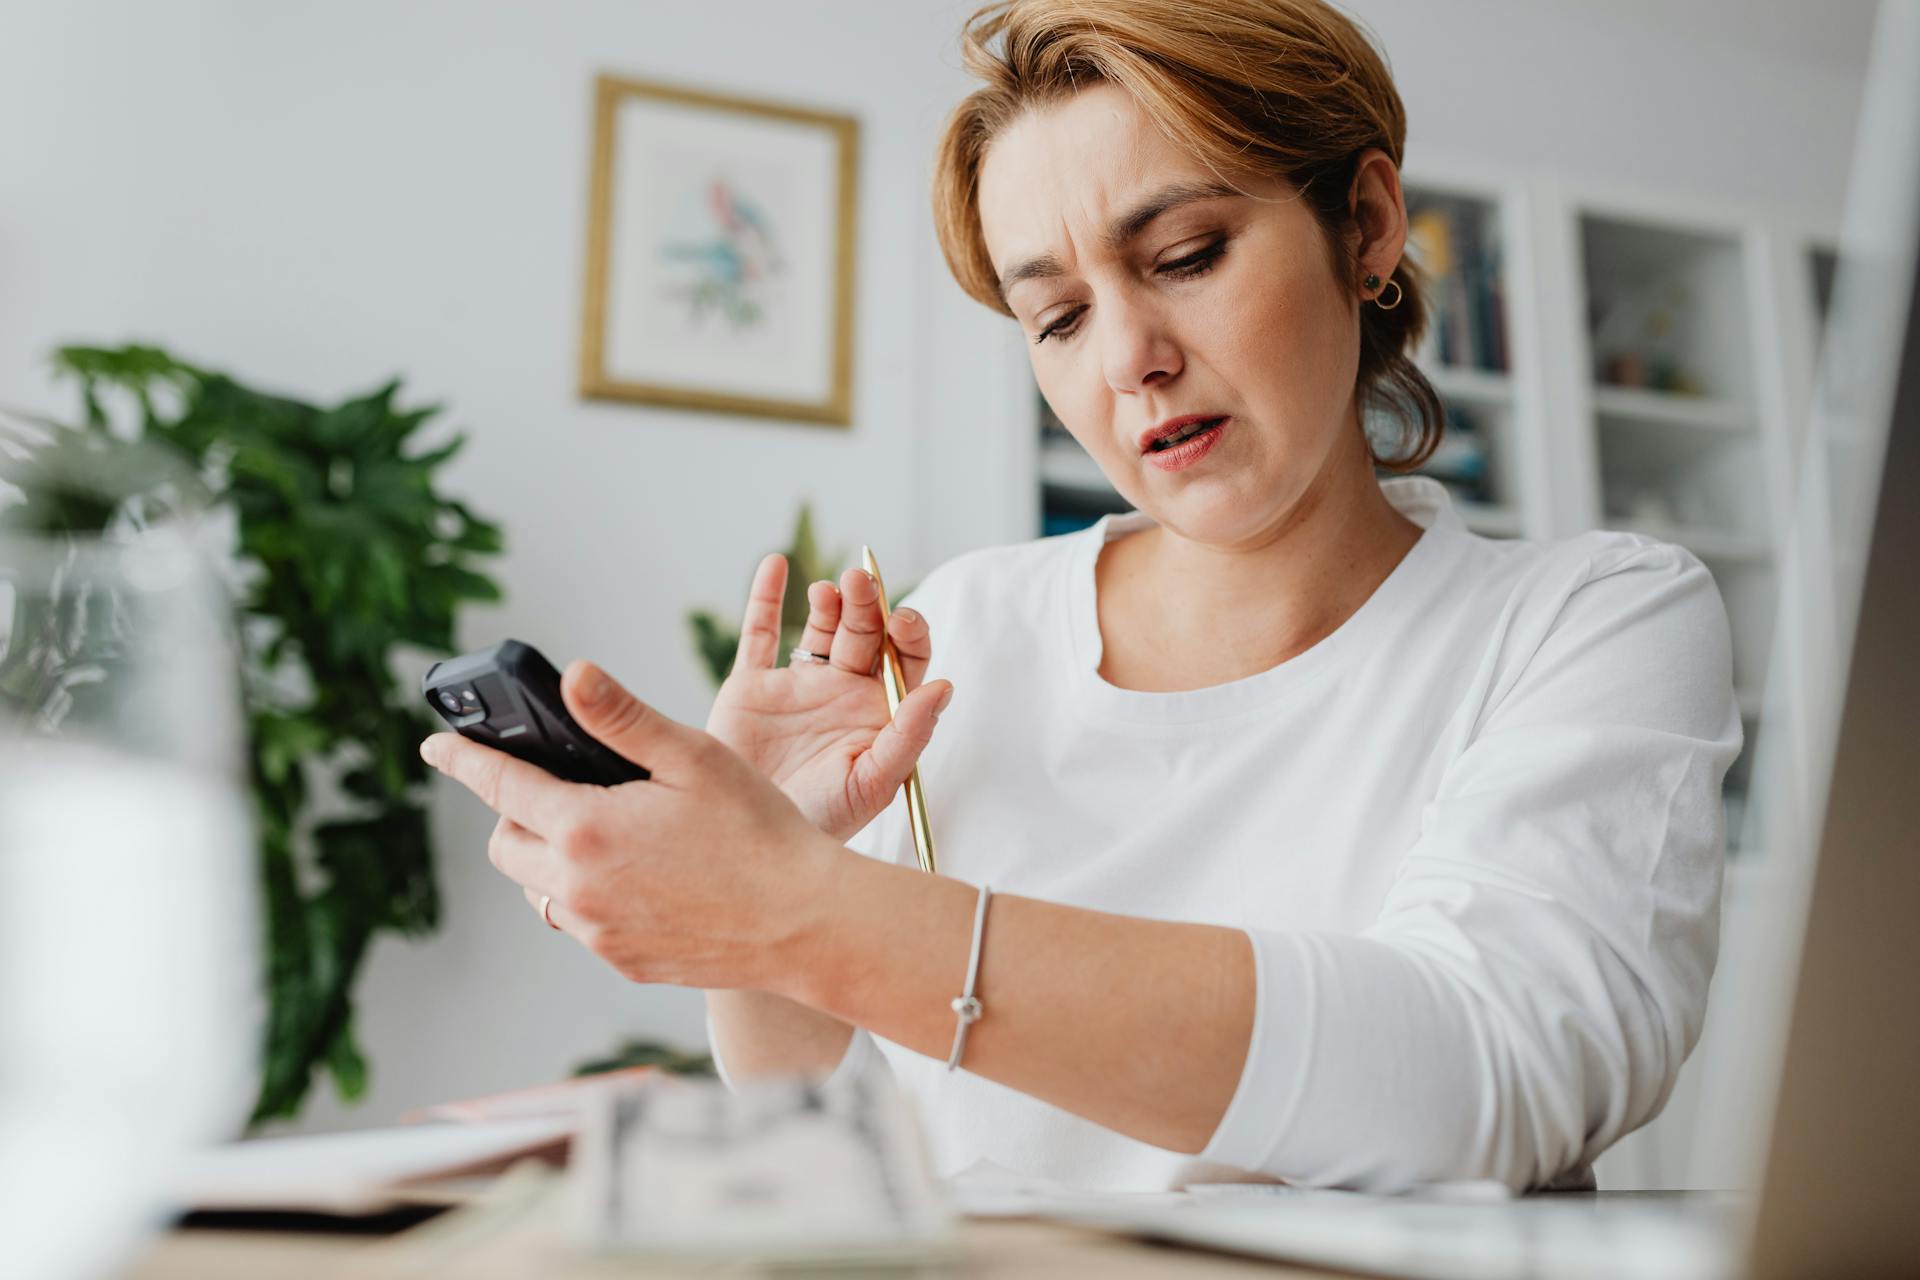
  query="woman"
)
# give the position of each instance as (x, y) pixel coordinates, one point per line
(1332, 842)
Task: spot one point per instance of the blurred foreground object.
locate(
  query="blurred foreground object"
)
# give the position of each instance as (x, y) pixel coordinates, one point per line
(775, 1171)
(128, 1017)
(340, 553)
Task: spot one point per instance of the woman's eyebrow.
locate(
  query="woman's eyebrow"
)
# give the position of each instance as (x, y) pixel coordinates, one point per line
(1124, 228)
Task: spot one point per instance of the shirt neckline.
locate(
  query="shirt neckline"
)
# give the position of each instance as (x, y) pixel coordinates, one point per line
(1421, 499)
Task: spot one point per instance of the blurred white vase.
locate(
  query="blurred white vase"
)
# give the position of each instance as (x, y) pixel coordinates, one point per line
(130, 1001)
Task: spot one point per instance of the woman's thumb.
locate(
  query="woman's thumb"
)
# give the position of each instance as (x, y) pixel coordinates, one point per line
(898, 746)
(617, 719)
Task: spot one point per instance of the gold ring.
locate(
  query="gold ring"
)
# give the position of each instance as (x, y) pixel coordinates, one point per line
(546, 910)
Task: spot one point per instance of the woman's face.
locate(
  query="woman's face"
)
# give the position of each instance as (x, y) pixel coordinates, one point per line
(1219, 306)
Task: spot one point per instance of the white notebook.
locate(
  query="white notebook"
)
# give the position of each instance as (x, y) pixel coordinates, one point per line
(359, 1172)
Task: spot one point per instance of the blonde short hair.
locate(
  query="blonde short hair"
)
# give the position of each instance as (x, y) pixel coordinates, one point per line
(1288, 89)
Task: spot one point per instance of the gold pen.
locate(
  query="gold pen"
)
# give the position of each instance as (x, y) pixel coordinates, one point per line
(895, 678)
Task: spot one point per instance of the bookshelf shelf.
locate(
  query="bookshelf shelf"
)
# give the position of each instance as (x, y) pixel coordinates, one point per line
(1707, 543)
(1495, 520)
(1471, 386)
(1668, 409)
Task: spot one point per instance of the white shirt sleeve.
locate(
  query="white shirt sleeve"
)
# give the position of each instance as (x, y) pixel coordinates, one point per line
(1539, 969)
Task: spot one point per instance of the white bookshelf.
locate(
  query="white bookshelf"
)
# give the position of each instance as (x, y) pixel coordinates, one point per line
(1685, 335)
(1684, 338)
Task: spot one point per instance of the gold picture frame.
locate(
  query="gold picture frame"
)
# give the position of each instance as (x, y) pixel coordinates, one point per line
(707, 276)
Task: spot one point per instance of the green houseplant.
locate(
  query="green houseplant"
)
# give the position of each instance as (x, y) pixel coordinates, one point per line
(349, 554)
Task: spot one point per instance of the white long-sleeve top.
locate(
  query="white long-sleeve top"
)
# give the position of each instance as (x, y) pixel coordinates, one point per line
(1474, 835)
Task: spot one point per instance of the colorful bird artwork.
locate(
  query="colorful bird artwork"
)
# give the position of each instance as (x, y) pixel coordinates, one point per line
(730, 264)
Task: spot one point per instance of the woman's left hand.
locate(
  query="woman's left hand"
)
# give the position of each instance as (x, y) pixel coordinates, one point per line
(702, 876)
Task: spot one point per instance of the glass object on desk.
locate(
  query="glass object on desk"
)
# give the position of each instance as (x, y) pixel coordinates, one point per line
(129, 1013)
(830, 1176)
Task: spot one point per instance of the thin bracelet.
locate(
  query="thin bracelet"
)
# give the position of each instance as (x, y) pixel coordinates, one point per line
(966, 1006)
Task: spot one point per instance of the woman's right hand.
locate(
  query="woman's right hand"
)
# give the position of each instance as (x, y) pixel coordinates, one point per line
(820, 730)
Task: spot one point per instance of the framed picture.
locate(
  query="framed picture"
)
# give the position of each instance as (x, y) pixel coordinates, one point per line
(720, 254)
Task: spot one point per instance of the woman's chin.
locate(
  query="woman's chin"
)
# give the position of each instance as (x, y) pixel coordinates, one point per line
(1215, 514)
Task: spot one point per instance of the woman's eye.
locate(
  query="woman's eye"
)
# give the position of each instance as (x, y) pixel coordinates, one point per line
(1195, 264)
(1055, 330)
(1190, 267)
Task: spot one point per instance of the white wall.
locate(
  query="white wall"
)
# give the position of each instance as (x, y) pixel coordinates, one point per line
(317, 197)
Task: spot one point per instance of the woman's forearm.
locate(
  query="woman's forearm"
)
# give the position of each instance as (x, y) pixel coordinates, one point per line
(1138, 1025)
(758, 1033)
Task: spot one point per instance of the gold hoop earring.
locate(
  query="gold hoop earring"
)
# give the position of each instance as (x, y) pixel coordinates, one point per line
(1398, 294)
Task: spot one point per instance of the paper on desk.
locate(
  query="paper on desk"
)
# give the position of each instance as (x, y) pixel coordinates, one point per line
(986, 1189)
(359, 1172)
(558, 1099)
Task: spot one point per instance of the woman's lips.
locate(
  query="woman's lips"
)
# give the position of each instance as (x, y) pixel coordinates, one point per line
(1188, 452)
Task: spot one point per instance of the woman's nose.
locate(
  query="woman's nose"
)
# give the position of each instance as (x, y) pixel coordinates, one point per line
(1136, 349)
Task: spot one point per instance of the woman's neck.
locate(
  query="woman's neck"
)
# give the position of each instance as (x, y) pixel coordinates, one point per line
(1179, 614)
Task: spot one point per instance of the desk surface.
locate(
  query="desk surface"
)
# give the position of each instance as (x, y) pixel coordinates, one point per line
(520, 1232)
(1002, 1248)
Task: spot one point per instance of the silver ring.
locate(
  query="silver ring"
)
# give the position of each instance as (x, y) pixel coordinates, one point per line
(804, 655)
(546, 910)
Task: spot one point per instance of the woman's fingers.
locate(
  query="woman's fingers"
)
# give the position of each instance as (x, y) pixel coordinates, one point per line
(823, 618)
(913, 642)
(505, 784)
(616, 719)
(760, 624)
(856, 645)
(522, 856)
(829, 610)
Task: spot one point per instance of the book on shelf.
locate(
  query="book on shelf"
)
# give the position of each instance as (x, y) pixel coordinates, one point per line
(1462, 260)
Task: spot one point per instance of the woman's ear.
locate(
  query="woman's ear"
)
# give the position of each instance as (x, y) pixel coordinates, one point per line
(1378, 213)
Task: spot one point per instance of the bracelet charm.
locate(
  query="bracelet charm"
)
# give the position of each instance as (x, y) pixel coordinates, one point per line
(966, 1006)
